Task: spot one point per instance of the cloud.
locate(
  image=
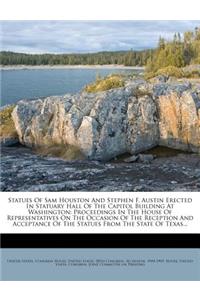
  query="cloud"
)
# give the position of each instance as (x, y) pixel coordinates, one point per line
(87, 36)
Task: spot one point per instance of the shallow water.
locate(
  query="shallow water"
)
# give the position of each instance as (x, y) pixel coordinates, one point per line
(29, 84)
(161, 151)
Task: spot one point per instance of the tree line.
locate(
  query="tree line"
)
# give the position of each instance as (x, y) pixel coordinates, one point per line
(180, 52)
(127, 58)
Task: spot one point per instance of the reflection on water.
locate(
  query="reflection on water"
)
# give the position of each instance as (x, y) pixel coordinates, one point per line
(161, 151)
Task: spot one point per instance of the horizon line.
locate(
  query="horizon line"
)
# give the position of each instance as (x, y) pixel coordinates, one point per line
(77, 53)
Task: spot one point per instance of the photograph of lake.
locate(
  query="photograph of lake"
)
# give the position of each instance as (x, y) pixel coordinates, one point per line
(100, 105)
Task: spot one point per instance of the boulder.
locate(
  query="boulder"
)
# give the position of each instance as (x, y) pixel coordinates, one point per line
(179, 121)
(145, 158)
(103, 125)
(131, 159)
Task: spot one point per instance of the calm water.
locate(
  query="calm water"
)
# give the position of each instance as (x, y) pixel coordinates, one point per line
(29, 84)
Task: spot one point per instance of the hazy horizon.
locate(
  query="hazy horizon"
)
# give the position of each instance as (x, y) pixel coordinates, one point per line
(67, 37)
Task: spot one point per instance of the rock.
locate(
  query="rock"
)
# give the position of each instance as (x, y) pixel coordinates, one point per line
(142, 131)
(9, 141)
(131, 159)
(179, 121)
(144, 158)
(61, 186)
(163, 89)
(160, 79)
(103, 125)
(138, 188)
(23, 170)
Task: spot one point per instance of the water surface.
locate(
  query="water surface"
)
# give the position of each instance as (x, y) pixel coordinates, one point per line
(34, 83)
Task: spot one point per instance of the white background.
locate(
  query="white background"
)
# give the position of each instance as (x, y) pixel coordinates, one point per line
(91, 10)
(99, 10)
(143, 290)
(185, 209)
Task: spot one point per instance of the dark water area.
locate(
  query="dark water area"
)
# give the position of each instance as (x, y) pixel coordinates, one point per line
(34, 83)
(161, 151)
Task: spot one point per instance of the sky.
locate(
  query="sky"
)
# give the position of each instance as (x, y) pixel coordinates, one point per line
(87, 36)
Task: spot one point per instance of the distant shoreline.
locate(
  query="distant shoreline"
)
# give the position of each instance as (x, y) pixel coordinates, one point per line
(43, 67)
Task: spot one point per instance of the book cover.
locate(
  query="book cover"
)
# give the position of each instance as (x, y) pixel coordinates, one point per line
(100, 143)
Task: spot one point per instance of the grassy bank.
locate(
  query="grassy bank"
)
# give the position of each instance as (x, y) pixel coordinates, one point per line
(105, 83)
(172, 71)
(7, 127)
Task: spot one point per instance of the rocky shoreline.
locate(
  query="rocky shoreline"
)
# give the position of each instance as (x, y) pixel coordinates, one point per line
(52, 67)
(117, 133)
(131, 119)
(23, 170)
